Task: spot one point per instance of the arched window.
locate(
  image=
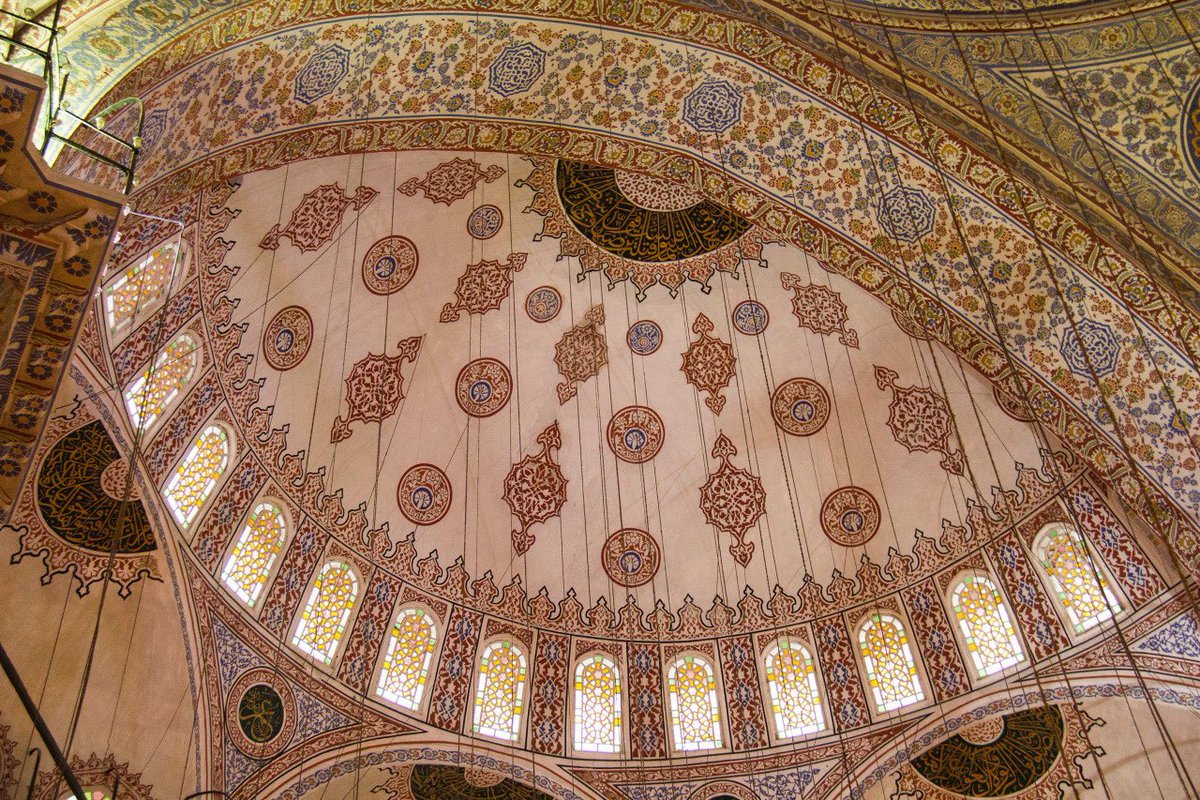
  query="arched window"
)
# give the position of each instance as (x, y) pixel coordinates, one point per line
(695, 715)
(197, 474)
(889, 663)
(327, 611)
(406, 665)
(157, 387)
(792, 681)
(499, 697)
(986, 626)
(1079, 584)
(597, 705)
(141, 286)
(90, 794)
(250, 563)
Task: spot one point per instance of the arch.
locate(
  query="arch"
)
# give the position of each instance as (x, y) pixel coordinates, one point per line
(792, 683)
(405, 669)
(140, 287)
(197, 474)
(500, 692)
(695, 711)
(985, 624)
(597, 711)
(1079, 583)
(323, 621)
(253, 556)
(889, 664)
(161, 383)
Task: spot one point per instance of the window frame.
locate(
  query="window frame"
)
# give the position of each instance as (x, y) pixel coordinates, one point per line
(622, 706)
(979, 671)
(768, 696)
(255, 605)
(173, 472)
(1116, 602)
(723, 743)
(918, 670)
(145, 309)
(331, 660)
(431, 667)
(523, 698)
(198, 367)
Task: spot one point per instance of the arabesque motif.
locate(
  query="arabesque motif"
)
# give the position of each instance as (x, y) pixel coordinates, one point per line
(451, 180)
(535, 489)
(580, 353)
(733, 500)
(709, 363)
(483, 287)
(820, 309)
(921, 420)
(317, 218)
(375, 387)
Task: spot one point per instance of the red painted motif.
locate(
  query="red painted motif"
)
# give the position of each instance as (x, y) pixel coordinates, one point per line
(709, 363)
(318, 216)
(820, 309)
(535, 489)
(451, 180)
(287, 338)
(452, 683)
(548, 706)
(935, 640)
(580, 353)
(1134, 572)
(847, 703)
(647, 725)
(850, 516)
(630, 557)
(483, 287)
(370, 626)
(483, 387)
(920, 419)
(636, 434)
(800, 406)
(375, 387)
(424, 494)
(389, 265)
(732, 500)
(739, 670)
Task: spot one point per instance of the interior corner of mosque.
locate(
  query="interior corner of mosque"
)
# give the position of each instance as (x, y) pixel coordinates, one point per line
(600, 400)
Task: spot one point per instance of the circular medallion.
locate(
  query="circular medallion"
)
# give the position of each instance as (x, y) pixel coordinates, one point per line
(389, 265)
(543, 304)
(483, 387)
(424, 494)
(636, 434)
(261, 711)
(800, 406)
(287, 338)
(750, 317)
(631, 557)
(644, 337)
(485, 222)
(850, 516)
(117, 482)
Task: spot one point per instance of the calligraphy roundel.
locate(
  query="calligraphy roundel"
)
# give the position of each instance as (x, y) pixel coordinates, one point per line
(631, 557)
(485, 222)
(287, 338)
(636, 434)
(389, 265)
(261, 711)
(800, 406)
(483, 387)
(543, 304)
(850, 516)
(644, 337)
(751, 317)
(424, 494)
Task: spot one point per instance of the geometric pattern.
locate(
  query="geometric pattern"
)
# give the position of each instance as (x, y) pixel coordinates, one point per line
(936, 641)
(500, 694)
(597, 710)
(921, 420)
(820, 309)
(318, 216)
(793, 684)
(375, 387)
(1065, 558)
(906, 213)
(712, 107)
(986, 625)
(333, 595)
(406, 664)
(148, 397)
(141, 287)
(1095, 347)
(197, 474)
(483, 287)
(535, 489)
(695, 713)
(321, 75)
(709, 363)
(889, 664)
(516, 69)
(451, 180)
(732, 500)
(448, 697)
(250, 563)
(581, 353)
(847, 705)
(1032, 607)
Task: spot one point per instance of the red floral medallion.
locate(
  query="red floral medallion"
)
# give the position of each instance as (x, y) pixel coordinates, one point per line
(920, 419)
(451, 181)
(389, 265)
(732, 500)
(535, 489)
(850, 516)
(483, 287)
(287, 338)
(483, 387)
(424, 494)
(630, 557)
(820, 309)
(581, 353)
(374, 388)
(636, 434)
(800, 406)
(317, 218)
(709, 363)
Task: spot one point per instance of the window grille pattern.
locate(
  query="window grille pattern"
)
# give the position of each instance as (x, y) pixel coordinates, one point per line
(695, 715)
(1081, 588)
(156, 388)
(197, 474)
(140, 287)
(986, 625)
(889, 663)
(250, 563)
(328, 610)
(597, 706)
(792, 681)
(499, 697)
(406, 664)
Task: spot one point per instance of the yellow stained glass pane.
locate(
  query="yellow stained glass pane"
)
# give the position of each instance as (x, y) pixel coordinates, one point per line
(597, 706)
(140, 287)
(406, 664)
(197, 474)
(889, 663)
(695, 715)
(1080, 587)
(792, 681)
(157, 387)
(500, 692)
(986, 626)
(327, 611)
(250, 563)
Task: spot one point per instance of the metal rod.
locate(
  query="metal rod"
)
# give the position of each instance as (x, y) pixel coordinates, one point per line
(90, 152)
(93, 126)
(36, 752)
(206, 793)
(31, 709)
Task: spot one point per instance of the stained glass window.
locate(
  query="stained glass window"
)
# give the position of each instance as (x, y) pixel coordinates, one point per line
(1079, 584)
(197, 474)
(160, 384)
(597, 705)
(406, 664)
(327, 611)
(499, 695)
(986, 626)
(250, 563)
(695, 715)
(90, 794)
(889, 663)
(792, 680)
(140, 287)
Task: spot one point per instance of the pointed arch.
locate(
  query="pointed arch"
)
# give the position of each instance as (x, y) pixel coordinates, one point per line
(1079, 584)
(888, 661)
(986, 625)
(695, 712)
(249, 564)
(140, 288)
(405, 670)
(597, 718)
(162, 382)
(197, 474)
(792, 683)
(330, 601)
(500, 692)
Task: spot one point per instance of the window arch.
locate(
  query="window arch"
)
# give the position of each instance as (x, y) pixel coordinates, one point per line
(986, 626)
(695, 713)
(406, 663)
(90, 794)
(158, 386)
(249, 565)
(327, 611)
(1077, 580)
(597, 705)
(499, 695)
(140, 287)
(792, 681)
(197, 474)
(889, 663)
